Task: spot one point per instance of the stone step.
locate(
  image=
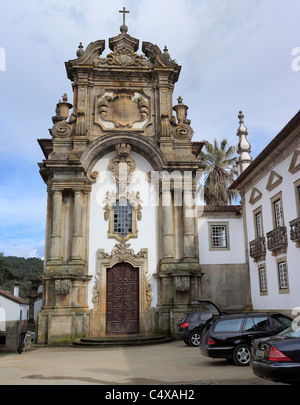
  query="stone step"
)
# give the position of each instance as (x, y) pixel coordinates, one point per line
(120, 340)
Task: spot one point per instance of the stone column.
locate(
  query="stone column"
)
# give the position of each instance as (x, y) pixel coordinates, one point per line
(189, 212)
(77, 227)
(168, 221)
(55, 239)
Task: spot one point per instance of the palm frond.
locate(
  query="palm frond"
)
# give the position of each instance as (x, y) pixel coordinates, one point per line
(220, 170)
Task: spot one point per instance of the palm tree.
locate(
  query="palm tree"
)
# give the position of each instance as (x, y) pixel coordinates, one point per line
(219, 172)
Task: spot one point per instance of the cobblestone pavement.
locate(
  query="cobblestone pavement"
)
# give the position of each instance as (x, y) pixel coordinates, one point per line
(163, 364)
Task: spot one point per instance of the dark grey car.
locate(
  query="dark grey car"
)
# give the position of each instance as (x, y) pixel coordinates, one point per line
(191, 325)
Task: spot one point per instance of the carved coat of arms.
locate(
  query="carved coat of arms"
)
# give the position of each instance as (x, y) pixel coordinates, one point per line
(123, 108)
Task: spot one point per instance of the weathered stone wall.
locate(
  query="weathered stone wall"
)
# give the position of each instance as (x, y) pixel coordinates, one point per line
(226, 285)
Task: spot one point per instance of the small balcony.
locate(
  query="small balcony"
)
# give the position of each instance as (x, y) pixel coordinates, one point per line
(277, 240)
(258, 249)
(295, 231)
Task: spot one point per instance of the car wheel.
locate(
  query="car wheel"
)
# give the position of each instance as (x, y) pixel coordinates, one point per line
(241, 355)
(194, 339)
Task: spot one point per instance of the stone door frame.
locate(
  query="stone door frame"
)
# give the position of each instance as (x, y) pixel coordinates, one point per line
(121, 253)
(120, 304)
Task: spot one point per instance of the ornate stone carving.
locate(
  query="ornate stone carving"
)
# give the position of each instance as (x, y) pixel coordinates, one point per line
(122, 252)
(62, 286)
(123, 108)
(110, 201)
(182, 283)
(61, 130)
(62, 110)
(122, 166)
(180, 130)
(96, 290)
(183, 132)
(165, 126)
(123, 57)
(90, 55)
(80, 125)
(148, 291)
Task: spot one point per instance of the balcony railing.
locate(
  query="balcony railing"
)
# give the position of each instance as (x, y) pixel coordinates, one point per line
(258, 249)
(295, 231)
(277, 240)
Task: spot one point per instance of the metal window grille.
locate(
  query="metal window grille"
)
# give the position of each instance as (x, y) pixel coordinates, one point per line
(218, 236)
(122, 217)
(283, 278)
(262, 279)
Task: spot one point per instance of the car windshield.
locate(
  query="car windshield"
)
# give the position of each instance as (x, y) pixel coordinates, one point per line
(292, 332)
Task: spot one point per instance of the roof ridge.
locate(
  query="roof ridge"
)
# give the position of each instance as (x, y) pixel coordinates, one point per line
(9, 295)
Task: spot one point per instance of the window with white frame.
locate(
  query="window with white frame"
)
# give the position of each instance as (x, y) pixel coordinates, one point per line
(282, 275)
(218, 234)
(278, 219)
(262, 279)
(258, 224)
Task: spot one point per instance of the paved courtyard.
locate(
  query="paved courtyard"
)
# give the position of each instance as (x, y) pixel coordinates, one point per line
(164, 364)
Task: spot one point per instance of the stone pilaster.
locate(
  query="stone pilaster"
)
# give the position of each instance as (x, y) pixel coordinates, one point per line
(168, 221)
(77, 227)
(55, 238)
(189, 212)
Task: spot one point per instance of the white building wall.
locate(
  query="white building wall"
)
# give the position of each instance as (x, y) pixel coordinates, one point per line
(13, 309)
(274, 299)
(236, 250)
(146, 227)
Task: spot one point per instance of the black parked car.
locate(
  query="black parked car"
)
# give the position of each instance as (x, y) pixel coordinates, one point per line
(191, 325)
(277, 358)
(230, 336)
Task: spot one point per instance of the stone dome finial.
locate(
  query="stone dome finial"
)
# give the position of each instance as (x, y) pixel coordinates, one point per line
(80, 50)
(166, 53)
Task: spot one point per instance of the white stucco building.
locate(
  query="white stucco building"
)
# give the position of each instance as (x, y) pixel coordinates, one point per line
(222, 256)
(14, 313)
(270, 190)
(16, 308)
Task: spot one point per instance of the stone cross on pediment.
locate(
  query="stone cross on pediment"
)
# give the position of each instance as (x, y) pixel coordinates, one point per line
(124, 11)
(124, 27)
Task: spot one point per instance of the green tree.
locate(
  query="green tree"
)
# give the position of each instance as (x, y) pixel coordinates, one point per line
(220, 170)
(19, 269)
(5, 273)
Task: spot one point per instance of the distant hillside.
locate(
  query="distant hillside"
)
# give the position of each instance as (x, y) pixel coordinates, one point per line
(19, 269)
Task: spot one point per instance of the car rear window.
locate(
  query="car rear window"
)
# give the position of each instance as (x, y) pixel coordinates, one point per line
(194, 317)
(229, 325)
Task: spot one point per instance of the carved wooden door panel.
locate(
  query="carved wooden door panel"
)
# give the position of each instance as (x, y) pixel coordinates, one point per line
(122, 299)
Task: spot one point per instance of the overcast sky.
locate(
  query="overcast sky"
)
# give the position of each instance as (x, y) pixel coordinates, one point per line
(235, 55)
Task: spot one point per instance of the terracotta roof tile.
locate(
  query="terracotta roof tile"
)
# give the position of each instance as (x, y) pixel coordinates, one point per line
(220, 208)
(12, 297)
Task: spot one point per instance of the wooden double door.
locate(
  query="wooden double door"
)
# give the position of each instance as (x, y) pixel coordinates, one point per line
(122, 299)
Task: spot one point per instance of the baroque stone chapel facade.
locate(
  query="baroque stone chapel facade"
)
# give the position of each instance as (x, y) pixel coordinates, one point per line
(122, 251)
